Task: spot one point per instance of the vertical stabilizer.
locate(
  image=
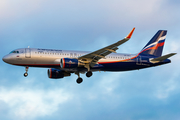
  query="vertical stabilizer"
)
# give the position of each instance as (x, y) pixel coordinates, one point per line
(155, 45)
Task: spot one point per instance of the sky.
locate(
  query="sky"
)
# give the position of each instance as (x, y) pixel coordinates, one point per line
(147, 94)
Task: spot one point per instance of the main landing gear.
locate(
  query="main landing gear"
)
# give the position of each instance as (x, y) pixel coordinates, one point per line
(80, 80)
(26, 74)
(89, 74)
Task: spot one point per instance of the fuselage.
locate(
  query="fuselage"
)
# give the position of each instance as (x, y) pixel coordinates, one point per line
(50, 58)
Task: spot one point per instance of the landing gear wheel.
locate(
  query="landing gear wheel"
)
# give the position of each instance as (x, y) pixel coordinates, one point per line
(89, 74)
(79, 80)
(25, 74)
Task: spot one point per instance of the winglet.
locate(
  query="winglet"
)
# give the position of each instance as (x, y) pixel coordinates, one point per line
(130, 34)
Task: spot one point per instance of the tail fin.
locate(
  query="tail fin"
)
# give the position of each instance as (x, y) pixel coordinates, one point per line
(155, 45)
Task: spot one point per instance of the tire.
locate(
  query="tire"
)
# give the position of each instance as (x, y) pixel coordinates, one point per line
(79, 80)
(89, 74)
(25, 74)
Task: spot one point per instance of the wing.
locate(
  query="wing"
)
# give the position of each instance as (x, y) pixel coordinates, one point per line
(93, 57)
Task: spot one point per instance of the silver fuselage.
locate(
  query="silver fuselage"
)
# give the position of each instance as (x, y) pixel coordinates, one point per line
(50, 58)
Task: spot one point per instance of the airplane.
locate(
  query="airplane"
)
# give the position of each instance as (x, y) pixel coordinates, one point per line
(63, 63)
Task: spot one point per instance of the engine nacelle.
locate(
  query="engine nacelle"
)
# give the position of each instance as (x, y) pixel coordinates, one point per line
(69, 63)
(56, 73)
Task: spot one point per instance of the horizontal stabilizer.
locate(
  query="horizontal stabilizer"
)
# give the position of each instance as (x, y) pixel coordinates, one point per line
(162, 58)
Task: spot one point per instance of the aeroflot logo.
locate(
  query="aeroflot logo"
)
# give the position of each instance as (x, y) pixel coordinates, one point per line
(70, 62)
(160, 39)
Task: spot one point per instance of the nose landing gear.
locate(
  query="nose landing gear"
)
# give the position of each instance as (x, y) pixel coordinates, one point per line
(26, 74)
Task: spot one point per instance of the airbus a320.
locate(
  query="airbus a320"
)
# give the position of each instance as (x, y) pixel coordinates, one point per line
(63, 63)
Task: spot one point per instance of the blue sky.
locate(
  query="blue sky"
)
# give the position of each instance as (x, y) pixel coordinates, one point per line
(147, 94)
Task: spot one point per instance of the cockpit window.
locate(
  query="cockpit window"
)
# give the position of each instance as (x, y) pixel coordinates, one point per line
(14, 51)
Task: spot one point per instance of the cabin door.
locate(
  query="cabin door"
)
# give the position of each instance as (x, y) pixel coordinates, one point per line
(27, 52)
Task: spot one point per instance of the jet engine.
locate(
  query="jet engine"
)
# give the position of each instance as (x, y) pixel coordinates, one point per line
(56, 73)
(69, 63)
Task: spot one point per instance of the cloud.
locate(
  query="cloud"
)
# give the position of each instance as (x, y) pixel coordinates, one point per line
(80, 21)
(111, 94)
(9, 9)
(80, 13)
(30, 103)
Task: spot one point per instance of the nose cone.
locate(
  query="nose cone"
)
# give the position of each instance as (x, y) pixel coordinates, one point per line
(6, 59)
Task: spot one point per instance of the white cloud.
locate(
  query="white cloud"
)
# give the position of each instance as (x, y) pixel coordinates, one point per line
(13, 9)
(29, 103)
(111, 13)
